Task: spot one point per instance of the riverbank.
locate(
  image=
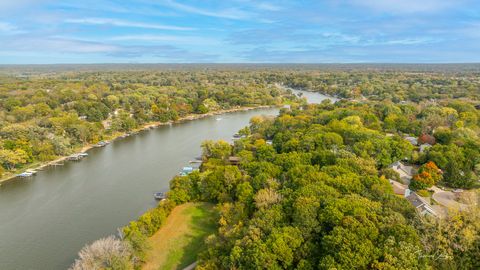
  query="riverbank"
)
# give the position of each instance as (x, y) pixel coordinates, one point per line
(39, 166)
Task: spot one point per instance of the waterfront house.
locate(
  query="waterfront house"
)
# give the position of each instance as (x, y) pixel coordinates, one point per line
(405, 171)
(422, 206)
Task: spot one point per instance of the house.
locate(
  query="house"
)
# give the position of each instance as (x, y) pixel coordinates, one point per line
(424, 147)
(422, 206)
(399, 188)
(412, 140)
(405, 171)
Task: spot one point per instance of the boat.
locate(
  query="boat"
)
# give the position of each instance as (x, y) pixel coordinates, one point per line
(237, 136)
(33, 172)
(83, 154)
(218, 118)
(25, 174)
(186, 171)
(101, 144)
(159, 196)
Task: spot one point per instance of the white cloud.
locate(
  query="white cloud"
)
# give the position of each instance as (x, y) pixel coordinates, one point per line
(123, 23)
(410, 41)
(50, 44)
(6, 27)
(267, 6)
(166, 38)
(6, 5)
(9, 29)
(408, 6)
(231, 13)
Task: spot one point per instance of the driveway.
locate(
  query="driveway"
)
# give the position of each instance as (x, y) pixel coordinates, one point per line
(447, 199)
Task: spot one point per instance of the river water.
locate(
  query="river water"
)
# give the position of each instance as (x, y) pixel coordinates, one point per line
(45, 220)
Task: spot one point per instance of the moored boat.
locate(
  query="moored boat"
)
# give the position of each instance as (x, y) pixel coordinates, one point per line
(25, 174)
(186, 171)
(102, 144)
(159, 196)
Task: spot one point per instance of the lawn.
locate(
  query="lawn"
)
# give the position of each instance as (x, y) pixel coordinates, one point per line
(181, 238)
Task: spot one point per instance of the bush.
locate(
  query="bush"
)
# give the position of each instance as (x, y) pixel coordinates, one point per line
(423, 193)
(389, 173)
(105, 253)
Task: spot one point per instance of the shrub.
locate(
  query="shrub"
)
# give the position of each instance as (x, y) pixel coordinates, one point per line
(389, 173)
(423, 193)
(105, 253)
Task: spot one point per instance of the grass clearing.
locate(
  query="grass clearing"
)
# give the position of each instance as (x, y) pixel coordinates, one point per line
(181, 238)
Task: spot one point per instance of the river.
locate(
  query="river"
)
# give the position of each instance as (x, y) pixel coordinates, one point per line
(45, 220)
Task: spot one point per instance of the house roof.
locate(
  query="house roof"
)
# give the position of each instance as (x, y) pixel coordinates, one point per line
(398, 188)
(412, 140)
(420, 204)
(400, 167)
(415, 200)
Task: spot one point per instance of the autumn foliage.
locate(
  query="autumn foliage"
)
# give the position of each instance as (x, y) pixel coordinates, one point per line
(428, 175)
(425, 138)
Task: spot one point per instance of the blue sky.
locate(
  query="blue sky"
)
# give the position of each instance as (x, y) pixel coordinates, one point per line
(174, 31)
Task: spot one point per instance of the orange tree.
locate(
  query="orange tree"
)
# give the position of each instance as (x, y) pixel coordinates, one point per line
(428, 175)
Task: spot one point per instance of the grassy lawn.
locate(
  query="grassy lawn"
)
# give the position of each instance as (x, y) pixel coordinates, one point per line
(177, 243)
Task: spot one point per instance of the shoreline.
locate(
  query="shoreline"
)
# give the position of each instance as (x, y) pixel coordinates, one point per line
(147, 126)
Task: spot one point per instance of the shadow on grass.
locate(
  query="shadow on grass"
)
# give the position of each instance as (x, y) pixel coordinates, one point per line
(203, 222)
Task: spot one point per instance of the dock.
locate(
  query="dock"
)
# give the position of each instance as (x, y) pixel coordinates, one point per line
(76, 157)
